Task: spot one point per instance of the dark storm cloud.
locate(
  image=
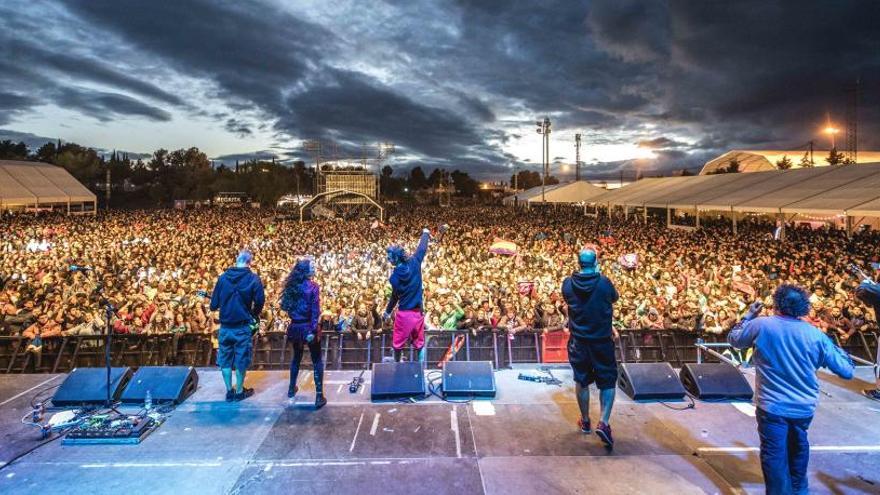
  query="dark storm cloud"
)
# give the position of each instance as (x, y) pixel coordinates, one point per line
(12, 103)
(238, 127)
(243, 157)
(86, 69)
(32, 141)
(659, 142)
(104, 106)
(454, 78)
(634, 30)
(253, 52)
(354, 105)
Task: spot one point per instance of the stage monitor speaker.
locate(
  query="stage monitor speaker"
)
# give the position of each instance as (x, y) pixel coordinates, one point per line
(468, 379)
(167, 384)
(88, 386)
(397, 381)
(715, 381)
(650, 381)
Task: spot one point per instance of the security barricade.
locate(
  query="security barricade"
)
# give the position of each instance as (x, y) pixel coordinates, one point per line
(346, 351)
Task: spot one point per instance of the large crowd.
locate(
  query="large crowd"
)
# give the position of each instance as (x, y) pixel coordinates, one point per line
(157, 268)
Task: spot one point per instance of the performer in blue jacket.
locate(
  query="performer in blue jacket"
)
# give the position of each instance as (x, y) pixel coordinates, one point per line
(301, 300)
(788, 351)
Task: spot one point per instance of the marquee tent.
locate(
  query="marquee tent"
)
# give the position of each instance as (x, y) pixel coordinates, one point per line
(837, 190)
(42, 185)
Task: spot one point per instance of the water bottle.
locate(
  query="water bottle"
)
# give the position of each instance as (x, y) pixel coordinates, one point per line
(148, 401)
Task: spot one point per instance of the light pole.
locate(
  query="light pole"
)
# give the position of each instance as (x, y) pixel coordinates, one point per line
(577, 157)
(544, 130)
(831, 131)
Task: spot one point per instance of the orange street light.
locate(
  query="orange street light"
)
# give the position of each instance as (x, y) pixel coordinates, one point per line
(831, 131)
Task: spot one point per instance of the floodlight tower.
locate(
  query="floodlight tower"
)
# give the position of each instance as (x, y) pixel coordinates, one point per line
(544, 130)
(852, 122)
(577, 157)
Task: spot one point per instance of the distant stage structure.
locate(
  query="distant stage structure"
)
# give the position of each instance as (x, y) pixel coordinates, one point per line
(346, 188)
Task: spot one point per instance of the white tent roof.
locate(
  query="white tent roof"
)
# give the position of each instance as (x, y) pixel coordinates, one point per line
(761, 160)
(572, 192)
(846, 188)
(718, 187)
(869, 209)
(838, 190)
(530, 193)
(624, 195)
(29, 183)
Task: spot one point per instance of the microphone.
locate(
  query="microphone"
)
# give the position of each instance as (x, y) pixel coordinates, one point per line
(78, 268)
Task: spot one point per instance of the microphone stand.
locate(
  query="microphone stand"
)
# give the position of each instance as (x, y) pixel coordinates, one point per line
(109, 311)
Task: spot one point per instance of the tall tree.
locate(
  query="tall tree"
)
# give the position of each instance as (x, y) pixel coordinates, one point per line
(805, 161)
(13, 151)
(784, 163)
(733, 166)
(834, 157)
(417, 179)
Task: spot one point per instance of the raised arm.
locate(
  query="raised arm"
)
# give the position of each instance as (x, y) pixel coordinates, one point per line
(743, 334)
(419, 255)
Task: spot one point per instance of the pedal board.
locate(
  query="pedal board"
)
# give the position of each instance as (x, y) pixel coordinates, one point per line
(105, 431)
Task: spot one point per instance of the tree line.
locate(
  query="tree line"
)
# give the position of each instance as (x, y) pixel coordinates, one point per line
(189, 174)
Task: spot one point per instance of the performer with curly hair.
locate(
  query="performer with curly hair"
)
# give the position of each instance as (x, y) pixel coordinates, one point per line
(301, 300)
(788, 351)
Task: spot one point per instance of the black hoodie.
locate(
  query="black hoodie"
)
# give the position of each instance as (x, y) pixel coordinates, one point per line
(237, 310)
(589, 298)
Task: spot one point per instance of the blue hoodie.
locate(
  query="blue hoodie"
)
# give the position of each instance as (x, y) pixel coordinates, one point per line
(589, 297)
(788, 351)
(406, 280)
(238, 310)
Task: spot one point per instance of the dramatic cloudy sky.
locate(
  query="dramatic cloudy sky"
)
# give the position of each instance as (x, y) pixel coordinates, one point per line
(651, 84)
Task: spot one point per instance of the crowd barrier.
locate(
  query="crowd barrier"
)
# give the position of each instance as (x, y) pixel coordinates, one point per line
(347, 352)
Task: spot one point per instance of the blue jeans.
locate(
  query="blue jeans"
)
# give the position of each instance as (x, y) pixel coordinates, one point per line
(785, 453)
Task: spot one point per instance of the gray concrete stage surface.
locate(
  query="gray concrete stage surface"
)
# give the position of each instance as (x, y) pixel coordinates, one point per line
(523, 442)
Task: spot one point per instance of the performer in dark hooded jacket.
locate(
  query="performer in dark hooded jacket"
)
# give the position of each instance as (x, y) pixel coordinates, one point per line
(869, 293)
(239, 297)
(590, 296)
(301, 300)
(406, 295)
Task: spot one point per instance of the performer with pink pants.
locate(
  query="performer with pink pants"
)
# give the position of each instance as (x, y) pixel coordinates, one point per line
(406, 295)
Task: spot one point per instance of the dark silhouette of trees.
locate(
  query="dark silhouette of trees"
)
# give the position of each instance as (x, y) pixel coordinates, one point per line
(784, 163)
(835, 157)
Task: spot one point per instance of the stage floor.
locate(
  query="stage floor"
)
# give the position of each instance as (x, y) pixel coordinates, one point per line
(523, 442)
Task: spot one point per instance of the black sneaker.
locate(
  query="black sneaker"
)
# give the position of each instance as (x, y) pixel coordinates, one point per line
(320, 401)
(872, 393)
(603, 431)
(291, 391)
(584, 425)
(244, 394)
(230, 395)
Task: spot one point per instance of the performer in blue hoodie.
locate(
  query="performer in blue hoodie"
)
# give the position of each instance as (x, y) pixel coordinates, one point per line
(788, 351)
(301, 300)
(590, 297)
(239, 297)
(406, 294)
